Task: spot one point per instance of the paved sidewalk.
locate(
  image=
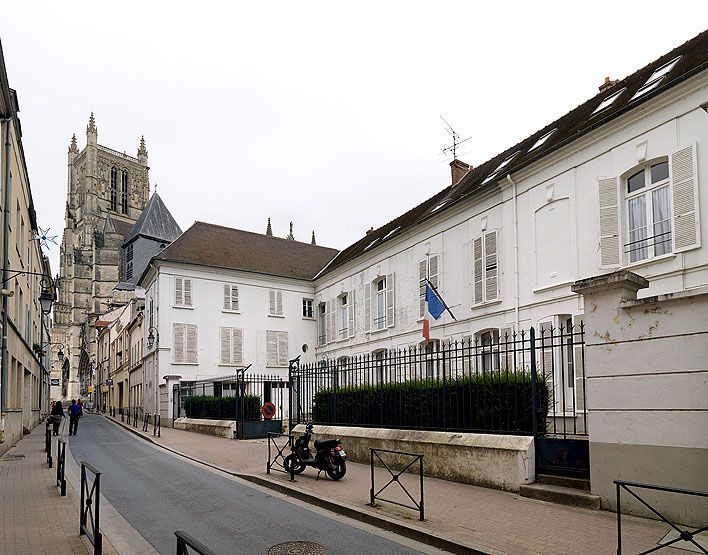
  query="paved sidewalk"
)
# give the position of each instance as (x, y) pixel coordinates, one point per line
(34, 518)
(490, 520)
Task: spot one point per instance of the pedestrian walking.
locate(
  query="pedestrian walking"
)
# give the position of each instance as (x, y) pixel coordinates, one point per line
(74, 415)
(57, 414)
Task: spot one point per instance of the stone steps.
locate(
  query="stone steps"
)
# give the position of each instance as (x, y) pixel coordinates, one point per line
(576, 483)
(562, 495)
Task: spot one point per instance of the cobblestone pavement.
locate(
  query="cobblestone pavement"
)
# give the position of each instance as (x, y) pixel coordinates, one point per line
(491, 519)
(34, 518)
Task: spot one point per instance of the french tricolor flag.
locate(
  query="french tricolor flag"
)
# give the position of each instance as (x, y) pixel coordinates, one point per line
(435, 307)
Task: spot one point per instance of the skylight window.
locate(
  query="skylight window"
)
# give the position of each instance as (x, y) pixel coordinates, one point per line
(500, 167)
(440, 205)
(543, 139)
(392, 232)
(608, 101)
(656, 78)
(373, 243)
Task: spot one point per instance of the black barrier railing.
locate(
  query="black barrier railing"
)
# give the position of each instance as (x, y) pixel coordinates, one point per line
(48, 443)
(156, 425)
(683, 534)
(277, 462)
(396, 477)
(90, 507)
(146, 421)
(186, 545)
(61, 466)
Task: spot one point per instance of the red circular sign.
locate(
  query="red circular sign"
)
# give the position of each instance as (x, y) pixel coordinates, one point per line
(268, 410)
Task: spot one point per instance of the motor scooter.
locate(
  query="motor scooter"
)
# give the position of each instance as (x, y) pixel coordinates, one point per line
(329, 456)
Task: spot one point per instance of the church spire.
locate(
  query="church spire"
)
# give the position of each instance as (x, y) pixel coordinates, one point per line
(73, 147)
(142, 150)
(269, 230)
(312, 241)
(290, 236)
(91, 127)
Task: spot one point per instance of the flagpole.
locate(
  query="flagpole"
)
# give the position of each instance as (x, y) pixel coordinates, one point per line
(441, 299)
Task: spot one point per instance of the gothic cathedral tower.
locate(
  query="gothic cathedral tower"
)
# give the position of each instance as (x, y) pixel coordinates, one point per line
(106, 193)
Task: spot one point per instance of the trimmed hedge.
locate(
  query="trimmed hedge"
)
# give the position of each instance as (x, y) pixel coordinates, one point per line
(220, 408)
(490, 402)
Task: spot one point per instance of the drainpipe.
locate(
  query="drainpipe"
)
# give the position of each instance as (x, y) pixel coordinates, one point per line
(5, 266)
(516, 252)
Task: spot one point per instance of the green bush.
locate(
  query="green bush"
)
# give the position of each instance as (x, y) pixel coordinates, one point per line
(222, 408)
(493, 402)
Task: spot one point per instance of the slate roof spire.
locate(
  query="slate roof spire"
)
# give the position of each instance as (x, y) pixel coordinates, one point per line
(312, 241)
(155, 222)
(269, 229)
(290, 236)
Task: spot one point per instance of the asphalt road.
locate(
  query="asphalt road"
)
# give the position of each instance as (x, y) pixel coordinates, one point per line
(158, 493)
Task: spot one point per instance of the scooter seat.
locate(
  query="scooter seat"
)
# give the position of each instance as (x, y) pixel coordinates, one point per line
(327, 443)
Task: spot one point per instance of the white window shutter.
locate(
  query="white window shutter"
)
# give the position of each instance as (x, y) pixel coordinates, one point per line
(227, 297)
(433, 271)
(544, 362)
(178, 345)
(687, 233)
(271, 348)
(282, 348)
(328, 322)
(478, 270)
(237, 346)
(390, 300)
(271, 302)
(187, 292)
(422, 276)
(609, 222)
(179, 291)
(491, 267)
(351, 307)
(332, 306)
(192, 343)
(225, 345)
(279, 303)
(234, 297)
(367, 307)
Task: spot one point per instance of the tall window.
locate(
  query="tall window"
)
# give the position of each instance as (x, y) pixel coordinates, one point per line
(485, 267)
(114, 188)
(322, 324)
(231, 346)
(230, 297)
(307, 308)
(488, 349)
(380, 304)
(276, 348)
(186, 343)
(124, 192)
(129, 262)
(427, 270)
(183, 292)
(648, 212)
(343, 316)
(275, 303)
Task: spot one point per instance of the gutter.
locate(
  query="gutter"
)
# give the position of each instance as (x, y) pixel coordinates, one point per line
(516, 251)
(5, 265)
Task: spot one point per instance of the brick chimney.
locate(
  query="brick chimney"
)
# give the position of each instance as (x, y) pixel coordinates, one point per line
(607, 84)
(458, 169)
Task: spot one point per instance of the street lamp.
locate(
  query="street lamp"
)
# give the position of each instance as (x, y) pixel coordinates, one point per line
(46, 299)
(152, 336)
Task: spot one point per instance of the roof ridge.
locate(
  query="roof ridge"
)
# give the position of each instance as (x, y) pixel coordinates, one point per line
(269, 237)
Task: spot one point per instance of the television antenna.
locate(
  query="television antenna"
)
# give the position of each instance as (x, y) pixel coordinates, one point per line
(456, 140)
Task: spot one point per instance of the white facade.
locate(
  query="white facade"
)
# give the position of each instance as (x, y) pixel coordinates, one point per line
(210, 322)
(545, 224)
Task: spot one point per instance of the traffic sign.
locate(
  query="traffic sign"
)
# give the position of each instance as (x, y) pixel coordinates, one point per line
(268, 410)
(109, 381)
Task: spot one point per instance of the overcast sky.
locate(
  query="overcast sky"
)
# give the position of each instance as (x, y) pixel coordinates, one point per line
(326, 114)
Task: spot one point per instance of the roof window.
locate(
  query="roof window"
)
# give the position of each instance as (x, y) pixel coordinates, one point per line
(439, 205)
(372, 244)
(500, 167)
(656, 78)
(608, 101)
(392, 232)
(543, 139)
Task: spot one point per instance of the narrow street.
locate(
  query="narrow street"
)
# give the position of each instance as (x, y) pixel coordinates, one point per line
(158, 493)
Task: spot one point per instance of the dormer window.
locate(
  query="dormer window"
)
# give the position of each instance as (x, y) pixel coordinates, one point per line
(500, 167)
(656, 78)
(608, 101)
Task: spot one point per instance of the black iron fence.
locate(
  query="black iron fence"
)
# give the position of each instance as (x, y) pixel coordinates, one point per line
(254, 401)
(682, 534)
(156, 428)
(186, 545)
(524, 383)
(276, 453)
(48, 442)
(61, 466)
(90, 507)
(402, 461)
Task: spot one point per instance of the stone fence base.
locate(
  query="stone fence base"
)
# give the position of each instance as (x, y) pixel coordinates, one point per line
(220, 428)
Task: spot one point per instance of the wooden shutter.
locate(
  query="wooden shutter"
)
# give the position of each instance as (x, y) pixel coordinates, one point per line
(234, 297)
(367, 307)
(271, 348)
(491, 267)
(433, 270)
(178, 349)
(351, 307)
(192, 343)
(328, 322)
(332, 307)
(179, 291)
(237, 346)
(227, 297)
(478, 270)
(578, 361)
(390, 300)
(422, 276)
(609, 222)
(687, 233)
(544, 361)
(271, 302)
(282, 348)
(225, 345)
(506, 349)
(187, 292)
(279, 303)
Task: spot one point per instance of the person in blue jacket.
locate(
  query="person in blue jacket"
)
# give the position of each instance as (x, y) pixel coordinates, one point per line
(74, 414)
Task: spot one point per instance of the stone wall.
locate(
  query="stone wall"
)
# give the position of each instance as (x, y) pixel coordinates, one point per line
(646, 364)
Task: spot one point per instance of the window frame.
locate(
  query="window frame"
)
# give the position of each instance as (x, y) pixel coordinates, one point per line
(308, 306)
(230, 309)
(378, 320)
(181, 303)
(343, 316)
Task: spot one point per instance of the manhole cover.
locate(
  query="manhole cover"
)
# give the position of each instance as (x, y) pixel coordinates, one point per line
(13, 457)
(296, 548)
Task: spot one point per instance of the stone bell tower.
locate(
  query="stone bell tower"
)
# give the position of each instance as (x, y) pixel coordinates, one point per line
(106, 192)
